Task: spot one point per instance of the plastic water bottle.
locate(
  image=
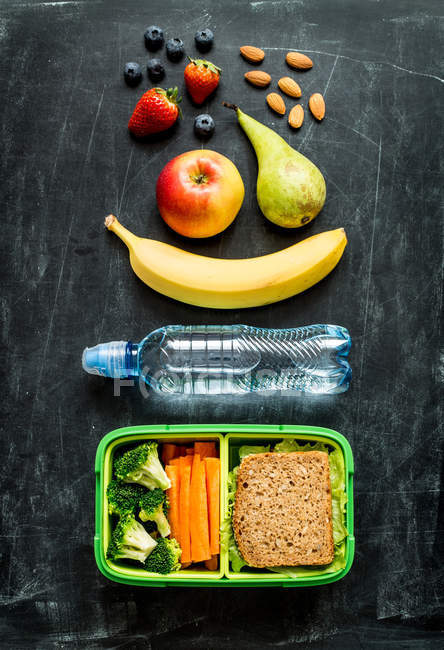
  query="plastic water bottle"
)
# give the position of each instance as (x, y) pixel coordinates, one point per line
(216, 359)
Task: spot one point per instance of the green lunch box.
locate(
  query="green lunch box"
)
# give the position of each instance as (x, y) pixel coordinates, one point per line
(228, 438)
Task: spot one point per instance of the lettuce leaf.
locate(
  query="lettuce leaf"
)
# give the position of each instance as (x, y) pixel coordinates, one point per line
(247, 450)
(339, 500)
(228, 541)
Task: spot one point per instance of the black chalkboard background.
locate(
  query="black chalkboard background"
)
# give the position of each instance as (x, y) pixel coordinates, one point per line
(67, 161)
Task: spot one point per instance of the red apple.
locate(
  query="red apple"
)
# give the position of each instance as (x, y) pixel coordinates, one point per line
(199, 193)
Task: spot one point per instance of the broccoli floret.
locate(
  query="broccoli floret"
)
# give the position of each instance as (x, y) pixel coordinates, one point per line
(142, 465)
(152, 509)
(165, 557)
(130, 541)
(151, 526)
(123, 497)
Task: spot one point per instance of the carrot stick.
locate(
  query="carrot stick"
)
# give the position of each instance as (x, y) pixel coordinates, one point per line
(184, 515)
(200, 540)
(181, 450)
(189, 451)
(211, 565)
(172, 471)
(168, 452)
(212, 466)
(175, 461)
(203, 520)
(186, 461)
(205, 449)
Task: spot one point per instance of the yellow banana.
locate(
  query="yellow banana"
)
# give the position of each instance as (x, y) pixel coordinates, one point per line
(231, 284)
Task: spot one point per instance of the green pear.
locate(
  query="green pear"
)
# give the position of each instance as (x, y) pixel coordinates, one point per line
(290, 188)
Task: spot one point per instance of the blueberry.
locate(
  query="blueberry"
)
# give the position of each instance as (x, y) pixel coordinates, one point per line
(132, 73)
(175, 49)
(204, 125)
(204, 40)
(153, 38)
(155, 69)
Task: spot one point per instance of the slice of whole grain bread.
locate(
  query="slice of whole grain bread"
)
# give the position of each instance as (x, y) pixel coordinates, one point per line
(282, 512)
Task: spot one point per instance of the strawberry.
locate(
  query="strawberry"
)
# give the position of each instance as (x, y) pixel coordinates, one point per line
(201, 78)
(155, 111)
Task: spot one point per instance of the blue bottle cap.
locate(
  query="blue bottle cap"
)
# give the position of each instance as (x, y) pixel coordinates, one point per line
(106, 359)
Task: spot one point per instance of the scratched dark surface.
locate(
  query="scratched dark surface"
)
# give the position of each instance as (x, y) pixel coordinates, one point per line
(67, 161)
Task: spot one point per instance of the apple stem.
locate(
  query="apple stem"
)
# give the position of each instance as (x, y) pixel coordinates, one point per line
(233, 106)
(200, 178)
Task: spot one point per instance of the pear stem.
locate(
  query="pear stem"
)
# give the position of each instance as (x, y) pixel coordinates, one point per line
(233, 106)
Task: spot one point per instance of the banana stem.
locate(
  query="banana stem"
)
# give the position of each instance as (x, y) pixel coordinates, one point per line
(233, 106)
(113, 224)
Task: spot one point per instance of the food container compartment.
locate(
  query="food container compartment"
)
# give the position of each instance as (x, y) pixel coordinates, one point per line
(228, 439)
(109, 445)
(264, 435)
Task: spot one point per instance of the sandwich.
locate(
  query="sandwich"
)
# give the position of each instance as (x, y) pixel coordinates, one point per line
(282, 514)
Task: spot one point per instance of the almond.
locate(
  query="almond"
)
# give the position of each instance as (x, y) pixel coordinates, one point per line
(252, 54)
(296, 116)
(258, 78)
(299, 61)
(317, 106)
(289, 87)
(276, 103)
